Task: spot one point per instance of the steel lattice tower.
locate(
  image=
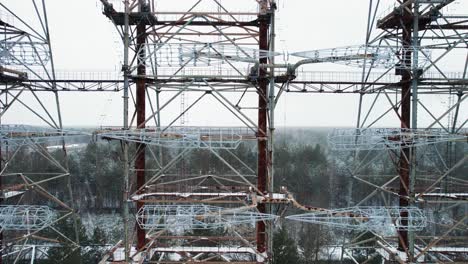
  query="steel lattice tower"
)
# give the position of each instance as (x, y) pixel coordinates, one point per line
(30, 208)
(207, 50)
(152, 41)
(414, 29)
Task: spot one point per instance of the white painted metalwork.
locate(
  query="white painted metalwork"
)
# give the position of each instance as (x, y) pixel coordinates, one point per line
(10, 194)
(190, 194)
(185, 137)
(23, 53)
(200, 54)
(388, 138)
(197, 216)
(379, 77)
(118, 254)
(24, 134)
(392, 6)
(239, 10)
(7, 18)
(25, 217)
(377, 218)
(359, 56)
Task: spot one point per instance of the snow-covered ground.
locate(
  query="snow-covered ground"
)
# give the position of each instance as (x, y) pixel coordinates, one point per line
(110, 223)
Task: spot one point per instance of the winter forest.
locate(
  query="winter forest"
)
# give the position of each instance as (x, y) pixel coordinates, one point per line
(303, 165)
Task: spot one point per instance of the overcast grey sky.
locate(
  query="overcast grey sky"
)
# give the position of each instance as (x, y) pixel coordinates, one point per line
(85, 40)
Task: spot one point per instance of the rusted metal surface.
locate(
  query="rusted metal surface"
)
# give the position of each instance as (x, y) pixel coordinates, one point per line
(140, 111)
(262, 169)
(405, 118)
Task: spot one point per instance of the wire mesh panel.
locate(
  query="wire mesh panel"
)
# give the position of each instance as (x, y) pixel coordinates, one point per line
(200, 54)
(368, 218)
(196, 216)
(23, 134)
(185, 137)
(23, 53)
(388, 138)
(363, 55)
(25, 217)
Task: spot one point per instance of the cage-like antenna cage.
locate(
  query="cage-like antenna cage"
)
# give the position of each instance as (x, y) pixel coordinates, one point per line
(185, 137)
(200, 54)
(365, 55)
(387, 138)
(368, 218)
(25, 217)
(198, 216)
(23, 134)
(24, 53)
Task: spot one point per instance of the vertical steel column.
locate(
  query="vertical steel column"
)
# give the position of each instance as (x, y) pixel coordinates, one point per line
(140, 111)
(405, 118)
(272, 106)
(262, 168)
(414, 116)
(415, 63)
(457, 111)
(125, 124)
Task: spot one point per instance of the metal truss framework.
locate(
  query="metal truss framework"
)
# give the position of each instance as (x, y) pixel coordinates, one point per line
(162, 50)
(234, 52)
(364, 56)
(25, 54)
(185, 137)
(20, 135)
(390, 138)
(25, 217)
(418, 28)
(381, 220)
(189, 217)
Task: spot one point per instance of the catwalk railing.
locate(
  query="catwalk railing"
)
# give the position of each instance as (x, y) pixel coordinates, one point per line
(18, 135)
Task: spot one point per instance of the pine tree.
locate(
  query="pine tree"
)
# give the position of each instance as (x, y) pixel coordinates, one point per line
(67, 253)
(285, 248)
(95, 250)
